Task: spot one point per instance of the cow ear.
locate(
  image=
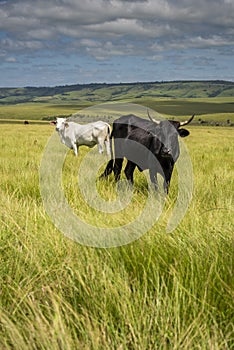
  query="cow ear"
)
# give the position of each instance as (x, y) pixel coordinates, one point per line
(53, 122)
(183, 132)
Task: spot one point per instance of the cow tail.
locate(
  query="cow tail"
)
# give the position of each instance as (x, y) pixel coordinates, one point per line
(111, 146)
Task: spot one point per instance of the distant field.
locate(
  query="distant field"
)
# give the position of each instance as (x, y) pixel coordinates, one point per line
(163, 291)
(209, 100)
(217, 109)
(201, 107)
(34, 111)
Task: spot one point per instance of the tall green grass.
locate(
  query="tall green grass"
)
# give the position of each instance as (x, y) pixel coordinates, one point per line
(163, 291)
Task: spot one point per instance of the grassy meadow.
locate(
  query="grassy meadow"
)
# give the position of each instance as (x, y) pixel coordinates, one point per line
(162, 291)
(218, 109)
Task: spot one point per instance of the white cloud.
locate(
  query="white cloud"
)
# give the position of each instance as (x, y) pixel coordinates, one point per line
(45, 19)
(20, 45)
(42, 33)
(105, 29)
(197, 42)
(105, 50)
(11, 59)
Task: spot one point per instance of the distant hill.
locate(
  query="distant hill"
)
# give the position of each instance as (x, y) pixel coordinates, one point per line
(211, 101)
(93, 93)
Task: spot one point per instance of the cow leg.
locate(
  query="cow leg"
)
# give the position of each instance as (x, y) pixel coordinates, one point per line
(129, 170)
(107, 144)
(117, 168)
(167, 177)
(75, 148)
(108, 169)
(100, 145)
(153, 178)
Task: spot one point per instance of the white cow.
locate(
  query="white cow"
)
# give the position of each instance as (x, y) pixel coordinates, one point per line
(74, 135)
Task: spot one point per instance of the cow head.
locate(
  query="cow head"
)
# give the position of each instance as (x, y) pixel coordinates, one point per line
(167, 132)
(60, 123)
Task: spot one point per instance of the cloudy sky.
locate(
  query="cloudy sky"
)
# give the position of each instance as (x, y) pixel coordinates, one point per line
(58, 42)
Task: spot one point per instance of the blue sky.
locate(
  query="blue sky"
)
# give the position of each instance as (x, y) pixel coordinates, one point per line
(59, 42)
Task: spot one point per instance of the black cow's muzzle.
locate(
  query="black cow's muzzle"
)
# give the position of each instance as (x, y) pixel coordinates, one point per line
(166, 152)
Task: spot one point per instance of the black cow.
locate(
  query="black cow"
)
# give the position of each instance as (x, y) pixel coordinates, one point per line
(146, 144)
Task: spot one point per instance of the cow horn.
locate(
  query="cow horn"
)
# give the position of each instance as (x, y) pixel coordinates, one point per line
(187, 121)
(152, 120)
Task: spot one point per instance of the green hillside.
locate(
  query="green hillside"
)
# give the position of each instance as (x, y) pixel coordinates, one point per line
(106, 92)
(211, 100)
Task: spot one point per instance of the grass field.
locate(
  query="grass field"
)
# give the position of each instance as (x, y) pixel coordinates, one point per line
(163, 291)
(218, 109)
